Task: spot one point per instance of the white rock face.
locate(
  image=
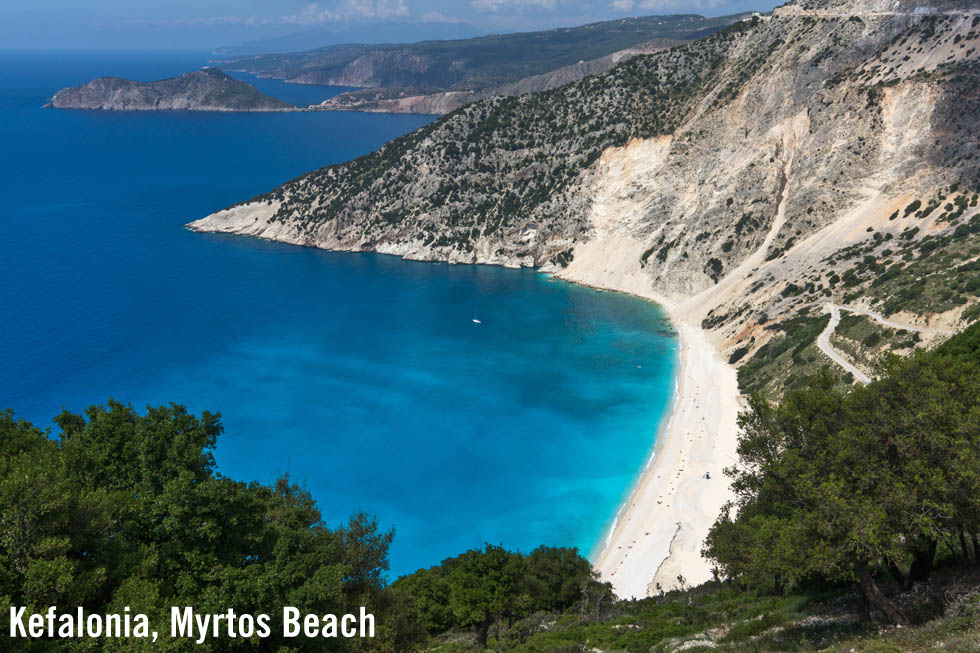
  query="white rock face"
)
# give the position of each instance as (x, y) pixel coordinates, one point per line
(252, 220)
(716, 194)
(811, 129)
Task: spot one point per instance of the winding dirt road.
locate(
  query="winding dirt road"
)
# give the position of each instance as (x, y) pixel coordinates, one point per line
(823, 340)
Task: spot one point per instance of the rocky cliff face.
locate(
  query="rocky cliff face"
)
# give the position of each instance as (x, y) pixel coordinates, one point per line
(203, 90)
(737, 176)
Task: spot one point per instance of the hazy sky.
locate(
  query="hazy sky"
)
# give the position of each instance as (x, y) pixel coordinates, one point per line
(205, 24)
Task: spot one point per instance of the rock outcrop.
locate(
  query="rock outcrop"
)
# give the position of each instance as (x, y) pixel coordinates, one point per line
(208, 89)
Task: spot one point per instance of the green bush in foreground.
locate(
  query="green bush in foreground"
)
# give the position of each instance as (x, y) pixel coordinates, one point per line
(832, 483)
(126, 510)
(866, 486)
(496, 588)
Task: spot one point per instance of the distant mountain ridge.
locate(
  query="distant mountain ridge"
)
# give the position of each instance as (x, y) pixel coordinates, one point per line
(471, 64)
(208, 89)
(407, 101)
(351, 32)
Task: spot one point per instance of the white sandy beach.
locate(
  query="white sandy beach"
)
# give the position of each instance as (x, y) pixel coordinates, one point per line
(659, 530)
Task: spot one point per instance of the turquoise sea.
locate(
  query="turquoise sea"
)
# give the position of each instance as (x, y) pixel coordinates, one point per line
(362, 374)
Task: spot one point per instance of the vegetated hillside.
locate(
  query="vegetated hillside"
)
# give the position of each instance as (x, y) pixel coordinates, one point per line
(208, 89)
(413, 100)
(472, 64)
(825, 153)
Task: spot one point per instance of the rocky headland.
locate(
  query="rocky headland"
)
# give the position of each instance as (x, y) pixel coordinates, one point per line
(825, 154)
(208, 89)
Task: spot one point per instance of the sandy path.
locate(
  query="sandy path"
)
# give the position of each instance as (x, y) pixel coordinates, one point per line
(881, 319)
(823, 343)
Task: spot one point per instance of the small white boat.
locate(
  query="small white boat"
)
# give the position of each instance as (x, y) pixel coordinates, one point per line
(475, 318)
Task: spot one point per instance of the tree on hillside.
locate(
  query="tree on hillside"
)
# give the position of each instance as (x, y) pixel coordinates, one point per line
(365, 548)
(832, 484)
(125, 509)
(489, 587)
(554, 578)
(482, 588)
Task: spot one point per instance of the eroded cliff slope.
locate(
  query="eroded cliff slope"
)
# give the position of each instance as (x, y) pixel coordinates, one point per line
(826, 153)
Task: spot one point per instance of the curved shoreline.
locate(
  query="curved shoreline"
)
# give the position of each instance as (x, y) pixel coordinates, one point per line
(663, 523)
(657, 534)
(664, 425)
(652, 543)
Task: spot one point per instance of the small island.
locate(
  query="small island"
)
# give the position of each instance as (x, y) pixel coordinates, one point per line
(208, 89)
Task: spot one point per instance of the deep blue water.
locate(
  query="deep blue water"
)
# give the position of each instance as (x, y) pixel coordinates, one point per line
(362, 374)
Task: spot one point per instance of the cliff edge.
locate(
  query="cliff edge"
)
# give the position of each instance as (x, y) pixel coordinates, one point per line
(827, 153)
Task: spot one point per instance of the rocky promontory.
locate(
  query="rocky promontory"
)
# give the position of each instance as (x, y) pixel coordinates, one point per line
(208, 89)
(823, 154)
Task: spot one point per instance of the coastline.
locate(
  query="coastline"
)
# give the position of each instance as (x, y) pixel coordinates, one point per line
(649, 543)
(660, 528)
(658, 531)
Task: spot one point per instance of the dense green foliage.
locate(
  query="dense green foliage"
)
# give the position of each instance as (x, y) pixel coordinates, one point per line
(832, 483)
(494, 586)
(126, 509)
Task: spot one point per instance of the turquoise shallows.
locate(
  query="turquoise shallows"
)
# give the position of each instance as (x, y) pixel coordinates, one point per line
(364, 375)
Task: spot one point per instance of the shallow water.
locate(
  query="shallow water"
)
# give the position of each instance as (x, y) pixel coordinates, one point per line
(362, 374)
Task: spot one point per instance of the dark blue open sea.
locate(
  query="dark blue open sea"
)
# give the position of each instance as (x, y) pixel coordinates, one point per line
(362, 374)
